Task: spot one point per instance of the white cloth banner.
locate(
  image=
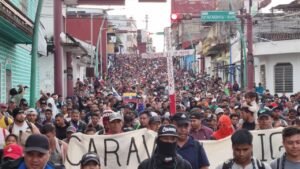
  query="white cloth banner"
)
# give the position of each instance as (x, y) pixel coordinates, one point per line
(267, 145)
(127, 150)
(121, 151)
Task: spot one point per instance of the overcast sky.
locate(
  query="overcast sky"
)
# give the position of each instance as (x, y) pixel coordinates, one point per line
(159, 15)
(275, 3)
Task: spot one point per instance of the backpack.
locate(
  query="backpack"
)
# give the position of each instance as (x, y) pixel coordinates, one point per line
(228, 164)
(22, 135)
(6, 121)
(280, 162)
(10, 127)
(197, 145)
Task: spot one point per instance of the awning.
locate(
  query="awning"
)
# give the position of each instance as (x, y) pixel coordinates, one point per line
(78, 48)
(71, 45)
(14, 25)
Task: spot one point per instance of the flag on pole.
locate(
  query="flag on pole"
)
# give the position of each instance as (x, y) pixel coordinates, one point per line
(116, 94)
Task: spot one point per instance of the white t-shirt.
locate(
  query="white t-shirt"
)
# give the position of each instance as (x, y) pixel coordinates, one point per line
(16, 129)
(249, 166)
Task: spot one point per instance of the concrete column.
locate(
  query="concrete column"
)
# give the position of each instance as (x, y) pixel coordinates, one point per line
(58, 72)
(70, 77)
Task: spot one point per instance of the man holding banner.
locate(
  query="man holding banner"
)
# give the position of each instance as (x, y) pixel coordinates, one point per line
(90, 160)
(187, 147)
(291, 142)
(242, 153)
(165, 156)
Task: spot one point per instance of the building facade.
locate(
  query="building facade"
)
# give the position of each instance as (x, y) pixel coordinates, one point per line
(77, 55)
(16, 31)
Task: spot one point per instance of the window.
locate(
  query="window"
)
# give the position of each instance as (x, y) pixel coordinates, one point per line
(263, 75)
(283, 78)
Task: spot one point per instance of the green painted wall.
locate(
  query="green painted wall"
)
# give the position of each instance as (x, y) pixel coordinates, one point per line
(31, 7)
(20, 65)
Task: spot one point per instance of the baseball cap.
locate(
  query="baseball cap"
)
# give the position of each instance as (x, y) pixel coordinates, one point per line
(237, 107)
(24, 102)
(31, 111)
(219, 111)
(115, 116)
(90, 156)
(277, 108)
(181, 118)
(17, 111)
(154, 119)
(37, 142)
(13, 151)
(209, 95)
(264, 113)
(71, 129)
(167, 130)
(195, 109)
(211, 117)
(130, 105)
(3, 105)
(197, 115)
(48, 109)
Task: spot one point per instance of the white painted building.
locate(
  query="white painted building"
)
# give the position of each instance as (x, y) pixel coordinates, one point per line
(78, 54)
(127, 31)
(278, 65)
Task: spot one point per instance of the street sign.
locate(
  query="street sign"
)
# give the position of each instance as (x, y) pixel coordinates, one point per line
(218, 16)
(172, 53)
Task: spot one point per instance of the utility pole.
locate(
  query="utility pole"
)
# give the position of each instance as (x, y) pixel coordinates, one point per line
(34, 54)
(250, 58)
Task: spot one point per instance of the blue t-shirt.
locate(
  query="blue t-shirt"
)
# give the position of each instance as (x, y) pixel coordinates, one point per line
(259, 90)
(23, 166)
(196, 157)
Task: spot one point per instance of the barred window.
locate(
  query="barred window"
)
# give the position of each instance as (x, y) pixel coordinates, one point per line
(283, 78)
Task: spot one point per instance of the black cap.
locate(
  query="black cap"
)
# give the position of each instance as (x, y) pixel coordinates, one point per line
(211, 117)
(181, 118)
(154, 119)
(90, 156)
(130, 105)
(196, 115)
(278, 108)
(37, 142)
(167, 130)
(264, 113)
(237, 106)
(17, 111)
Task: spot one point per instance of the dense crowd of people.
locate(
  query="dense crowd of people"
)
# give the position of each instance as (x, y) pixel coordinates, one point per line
(207, 108)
